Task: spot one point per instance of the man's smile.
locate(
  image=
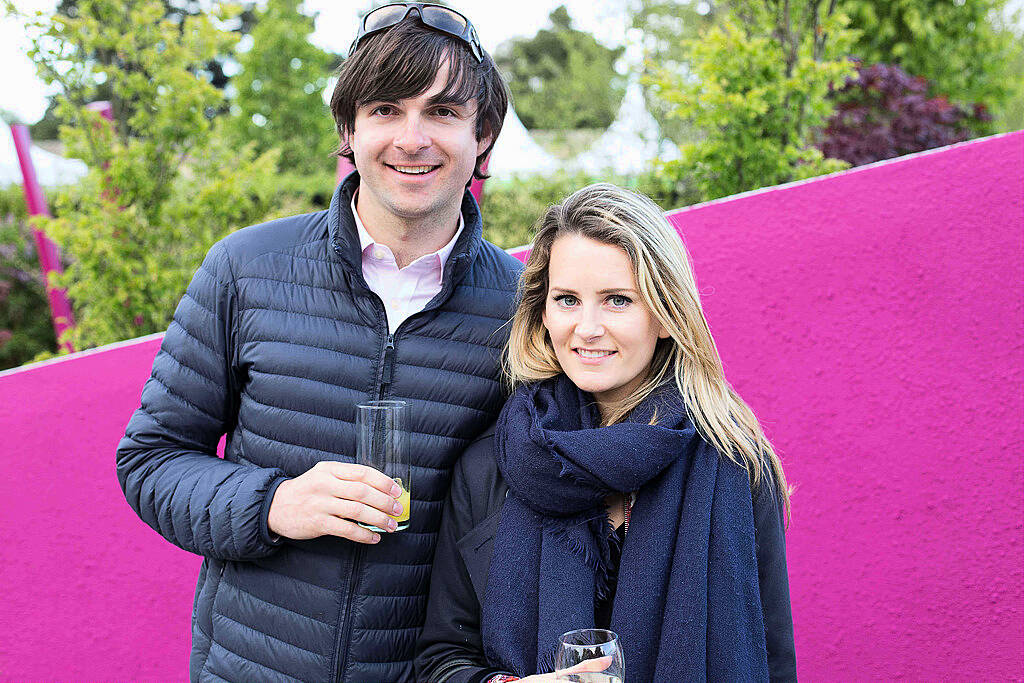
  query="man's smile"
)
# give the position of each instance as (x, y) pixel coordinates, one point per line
(413, 170)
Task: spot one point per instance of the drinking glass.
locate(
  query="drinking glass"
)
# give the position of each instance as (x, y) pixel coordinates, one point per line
(383, 445)
(582, 645)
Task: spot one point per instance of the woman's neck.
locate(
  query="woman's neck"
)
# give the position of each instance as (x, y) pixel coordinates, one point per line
(616, 512)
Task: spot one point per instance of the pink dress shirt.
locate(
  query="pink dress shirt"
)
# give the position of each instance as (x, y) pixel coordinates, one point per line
(407, 290)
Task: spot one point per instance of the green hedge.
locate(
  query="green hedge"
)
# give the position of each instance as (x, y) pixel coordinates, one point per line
(26, 329)
(511, 208)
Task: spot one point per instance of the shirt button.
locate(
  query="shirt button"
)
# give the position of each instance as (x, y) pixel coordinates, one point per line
(379, 253)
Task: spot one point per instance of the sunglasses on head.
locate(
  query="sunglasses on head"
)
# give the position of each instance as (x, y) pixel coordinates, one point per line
(438, 17)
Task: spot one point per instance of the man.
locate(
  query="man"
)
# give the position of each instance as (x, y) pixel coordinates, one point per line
(287, 326)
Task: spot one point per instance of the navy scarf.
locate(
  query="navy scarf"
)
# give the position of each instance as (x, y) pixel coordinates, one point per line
(687, 605)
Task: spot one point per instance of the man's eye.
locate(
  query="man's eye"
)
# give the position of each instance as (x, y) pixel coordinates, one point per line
(384, 110)
(444, 112)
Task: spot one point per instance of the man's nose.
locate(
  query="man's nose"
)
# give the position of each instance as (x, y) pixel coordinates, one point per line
(412, 137)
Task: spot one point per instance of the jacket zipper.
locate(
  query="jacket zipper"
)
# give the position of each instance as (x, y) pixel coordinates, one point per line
(345, 633)
(387, 368)
(383, 387)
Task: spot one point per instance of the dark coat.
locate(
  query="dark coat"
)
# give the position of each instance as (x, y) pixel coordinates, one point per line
(450, 649)
(276, 341)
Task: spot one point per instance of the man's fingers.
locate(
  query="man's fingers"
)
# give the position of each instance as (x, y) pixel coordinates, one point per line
(348, 471)
(343, 528)
(364, 494)
(356, 511)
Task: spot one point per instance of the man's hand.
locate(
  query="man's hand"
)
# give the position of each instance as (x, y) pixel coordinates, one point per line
(326, 499)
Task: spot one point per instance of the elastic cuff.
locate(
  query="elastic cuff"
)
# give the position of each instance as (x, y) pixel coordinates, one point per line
(269, 537)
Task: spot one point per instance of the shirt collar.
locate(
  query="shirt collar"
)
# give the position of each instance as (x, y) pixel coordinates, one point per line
(366, 240)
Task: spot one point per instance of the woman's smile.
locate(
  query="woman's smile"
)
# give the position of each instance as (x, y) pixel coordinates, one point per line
(594, 357)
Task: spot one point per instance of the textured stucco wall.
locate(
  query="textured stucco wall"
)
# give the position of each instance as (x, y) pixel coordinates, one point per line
(90, 592)
(872, 319)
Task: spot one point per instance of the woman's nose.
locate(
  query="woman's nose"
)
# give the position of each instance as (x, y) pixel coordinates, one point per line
(589, 326)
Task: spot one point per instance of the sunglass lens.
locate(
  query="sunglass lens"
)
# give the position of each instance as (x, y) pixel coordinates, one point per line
(444, 19)
(382, 17)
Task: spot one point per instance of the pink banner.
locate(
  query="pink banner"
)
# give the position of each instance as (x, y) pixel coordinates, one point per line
(49, 256)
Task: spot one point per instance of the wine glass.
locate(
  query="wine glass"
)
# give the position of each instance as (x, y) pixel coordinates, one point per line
(382, 437)
(590, 655)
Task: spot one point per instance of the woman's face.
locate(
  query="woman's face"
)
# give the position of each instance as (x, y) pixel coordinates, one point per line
(602, 332)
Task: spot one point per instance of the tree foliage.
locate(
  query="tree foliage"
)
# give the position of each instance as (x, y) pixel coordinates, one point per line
(279, 99)
(666, 25)
(163, 183)
(964, 49)
(214, 69)
(884, 112)
(756, 89)
(1010, 116)
(562, 78)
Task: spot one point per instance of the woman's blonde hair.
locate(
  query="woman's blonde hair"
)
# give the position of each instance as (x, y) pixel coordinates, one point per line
(611, 215)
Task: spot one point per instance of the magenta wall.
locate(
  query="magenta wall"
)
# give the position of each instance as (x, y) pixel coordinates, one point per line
(873, 320)
(90, 592)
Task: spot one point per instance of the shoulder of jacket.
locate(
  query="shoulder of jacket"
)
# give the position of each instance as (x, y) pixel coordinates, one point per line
(497, 267)
(478, 458)
(280, 235)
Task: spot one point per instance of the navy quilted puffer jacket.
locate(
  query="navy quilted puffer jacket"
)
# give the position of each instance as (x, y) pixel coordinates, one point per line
(275, 342)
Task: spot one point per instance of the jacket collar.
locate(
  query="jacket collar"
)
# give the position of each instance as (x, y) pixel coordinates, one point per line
(344, 238)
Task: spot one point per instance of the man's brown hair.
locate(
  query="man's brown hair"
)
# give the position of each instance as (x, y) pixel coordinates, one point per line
(402, 62)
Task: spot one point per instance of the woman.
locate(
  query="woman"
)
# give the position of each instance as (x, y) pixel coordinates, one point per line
(625, 485)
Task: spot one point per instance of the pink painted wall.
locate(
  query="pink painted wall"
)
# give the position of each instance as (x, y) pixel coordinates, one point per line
(873, 320)
(90, 592)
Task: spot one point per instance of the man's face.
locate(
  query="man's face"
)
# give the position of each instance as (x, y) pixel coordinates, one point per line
(414, 156)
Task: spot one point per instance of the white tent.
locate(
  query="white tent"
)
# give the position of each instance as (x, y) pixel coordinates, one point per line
(51, 169)
(515, 152)
(630, 144)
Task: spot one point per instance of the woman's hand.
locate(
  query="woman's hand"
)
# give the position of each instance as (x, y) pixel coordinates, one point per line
(589, 666)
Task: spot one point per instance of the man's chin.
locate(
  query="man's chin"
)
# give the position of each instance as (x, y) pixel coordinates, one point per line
(415, 210)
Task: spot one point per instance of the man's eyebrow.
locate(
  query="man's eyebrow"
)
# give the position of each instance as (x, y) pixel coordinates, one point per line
(447, 101)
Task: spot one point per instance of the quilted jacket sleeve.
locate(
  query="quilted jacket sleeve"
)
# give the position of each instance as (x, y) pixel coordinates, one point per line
(167, 463)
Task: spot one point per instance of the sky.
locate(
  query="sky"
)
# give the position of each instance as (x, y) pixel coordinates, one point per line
(26, 96)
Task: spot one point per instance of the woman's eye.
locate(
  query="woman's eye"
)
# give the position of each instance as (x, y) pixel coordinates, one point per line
(566, 299)
(619, 301)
